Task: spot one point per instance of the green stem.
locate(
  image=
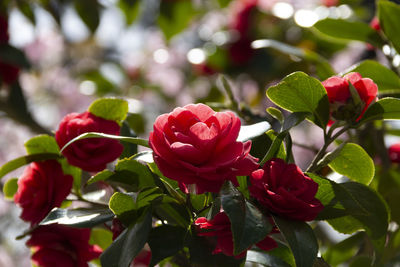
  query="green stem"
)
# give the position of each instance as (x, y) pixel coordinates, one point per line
(321, 153)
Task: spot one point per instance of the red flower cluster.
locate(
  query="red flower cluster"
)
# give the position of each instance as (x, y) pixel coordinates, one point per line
(220, 228)
(394, 153)
(90, 154)
(240, 51)
(283, 189)
(42, 186)
(342, 106)
(196, 145)
(62, 246)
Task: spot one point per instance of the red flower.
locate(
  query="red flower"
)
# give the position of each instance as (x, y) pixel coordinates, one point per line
(342, 106)
(8, 73)
(196, 145)
(42, 186)
(62, 246)
(240, 51)
(283, 189)
(394, 153)
(375, 24)
(90, 154)
(4, 29)
(220, 228)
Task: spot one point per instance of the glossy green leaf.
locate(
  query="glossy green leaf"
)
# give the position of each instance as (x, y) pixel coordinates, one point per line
(354, 163)
(248, 132)
(349, 30)
(121, 203)
(389, 19)
(373, 214)
(265, 259)
(130, 8)
(14, 56)
(21, 161)
(114, 109)
(10, 188)
(133, 140)
(174, 17)
(89, 12)
(299, 92)
(301, 240)
(100, 176)
(276, 113)
(101, 237)
(125, 248)
(42, 144)
(248, 224)
(344, 250)
(165, 241)
(142, 172)
(277, 148)
(324, 69)
(386, 108)
(80, 218)
(26, 8)
(75, 172)
(387, 80)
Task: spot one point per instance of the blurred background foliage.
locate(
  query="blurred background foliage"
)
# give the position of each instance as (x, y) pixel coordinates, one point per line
(57, 56)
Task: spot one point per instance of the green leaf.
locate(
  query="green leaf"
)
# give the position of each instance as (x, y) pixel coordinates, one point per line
(26, 9)
(114, 109)
(384, 109)
(101, 237)
(344, 250)
(10, 188)
(130, 8)
(133, 140)
(125, 248)
(21, 161)
(80, 218)
(42, 144)
(14, 56)
(324, 69)
(249, 132)
(372, 214)
(276, 113)
(299, 92)
(121, 203)
(89, 12)
(354, 163)
(75, 172)
(301, 240)
(265, 259)
(349, 30)
(165, 241)
(174, 17)
(248, 224)
(141, 171)
(277, 148)
(386, 79)
(389, 19)
(100, 176)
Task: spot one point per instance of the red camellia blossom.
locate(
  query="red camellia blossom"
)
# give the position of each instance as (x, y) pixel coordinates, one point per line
(196, 145)
(8, 73)
(220, 228)
(375, 24)
(42, 186)
(394, 153)
(337, 88)
(62, 246)
(90, 154)
(283, 189)
(240, 51)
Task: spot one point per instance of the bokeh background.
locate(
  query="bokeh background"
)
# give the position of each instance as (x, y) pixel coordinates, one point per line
(57, 56)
